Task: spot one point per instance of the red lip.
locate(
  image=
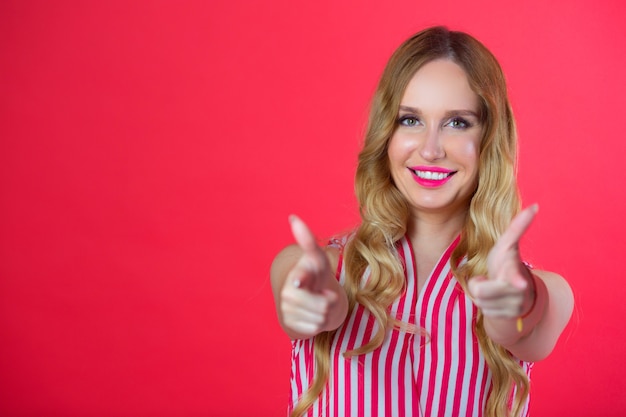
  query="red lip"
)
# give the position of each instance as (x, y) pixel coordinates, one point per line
(431, 183)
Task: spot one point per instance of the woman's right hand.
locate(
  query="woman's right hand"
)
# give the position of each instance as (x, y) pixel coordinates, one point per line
(309, 299)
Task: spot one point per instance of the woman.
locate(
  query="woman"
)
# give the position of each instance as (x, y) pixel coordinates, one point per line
(427, 308)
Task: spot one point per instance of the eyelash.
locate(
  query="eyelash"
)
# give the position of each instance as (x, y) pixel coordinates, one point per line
(466, 124)
(402, 120)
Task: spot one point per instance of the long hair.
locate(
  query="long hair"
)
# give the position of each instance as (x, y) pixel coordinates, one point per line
(385, 212)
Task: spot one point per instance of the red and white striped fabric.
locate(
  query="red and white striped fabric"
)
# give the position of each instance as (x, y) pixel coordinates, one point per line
(409, 374)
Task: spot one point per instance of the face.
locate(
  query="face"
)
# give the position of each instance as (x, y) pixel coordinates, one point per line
(433, 153)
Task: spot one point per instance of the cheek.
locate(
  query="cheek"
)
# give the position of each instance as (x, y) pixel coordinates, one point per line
(399, 149)
(396, 158)
(393, 151)
(469, 151)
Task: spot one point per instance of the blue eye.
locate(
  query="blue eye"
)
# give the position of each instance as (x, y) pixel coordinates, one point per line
(409, 121)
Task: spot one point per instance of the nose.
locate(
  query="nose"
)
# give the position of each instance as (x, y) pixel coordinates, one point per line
(432, 148)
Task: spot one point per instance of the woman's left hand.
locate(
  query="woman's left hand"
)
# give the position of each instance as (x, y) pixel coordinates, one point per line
(507, 290)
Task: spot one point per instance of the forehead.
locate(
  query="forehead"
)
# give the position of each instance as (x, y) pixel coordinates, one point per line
(440, 85)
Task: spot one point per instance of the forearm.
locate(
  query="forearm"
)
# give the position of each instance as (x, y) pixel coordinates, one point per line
(543, 326)
(508, 332)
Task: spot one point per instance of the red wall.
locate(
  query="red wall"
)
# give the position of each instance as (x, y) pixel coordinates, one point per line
(151, 151)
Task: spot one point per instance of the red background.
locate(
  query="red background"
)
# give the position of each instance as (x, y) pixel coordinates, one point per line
(151, 151)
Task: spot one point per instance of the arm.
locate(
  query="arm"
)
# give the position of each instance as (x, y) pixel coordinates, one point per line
(542, 328)
(544, 323)
(308, 297)
(544, 299)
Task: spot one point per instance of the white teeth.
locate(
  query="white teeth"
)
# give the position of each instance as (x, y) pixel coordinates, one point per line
(429, 175)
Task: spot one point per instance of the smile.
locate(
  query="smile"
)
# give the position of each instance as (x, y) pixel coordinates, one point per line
(429, 175)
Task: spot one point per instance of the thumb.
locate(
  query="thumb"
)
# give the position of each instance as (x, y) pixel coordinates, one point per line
(518, 226)
(330, 295)
(518, 281)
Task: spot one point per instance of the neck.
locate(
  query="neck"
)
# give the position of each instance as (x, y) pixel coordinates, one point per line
(435, 231)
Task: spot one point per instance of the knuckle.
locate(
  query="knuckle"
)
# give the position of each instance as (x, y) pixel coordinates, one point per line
(317, 320)
(287, 294)
(324, 306)
(287, 311)
(289, 322)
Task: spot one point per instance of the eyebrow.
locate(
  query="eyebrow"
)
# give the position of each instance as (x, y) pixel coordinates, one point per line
(450, 113)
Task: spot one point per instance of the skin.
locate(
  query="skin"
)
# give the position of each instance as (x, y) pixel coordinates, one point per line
(308, 297)
(438, 127)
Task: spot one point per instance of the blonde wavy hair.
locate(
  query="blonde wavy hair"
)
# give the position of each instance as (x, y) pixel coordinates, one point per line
(385, 212)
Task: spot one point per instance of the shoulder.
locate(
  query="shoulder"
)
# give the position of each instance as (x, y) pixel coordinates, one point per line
(554, 281)
(284, 262)
(333, 253)
(561, 296)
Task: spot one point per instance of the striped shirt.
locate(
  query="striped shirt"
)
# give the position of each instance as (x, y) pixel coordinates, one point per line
(440, 373)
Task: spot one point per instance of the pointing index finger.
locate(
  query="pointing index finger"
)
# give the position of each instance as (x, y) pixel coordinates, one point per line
(303, 235)
(313, 262)
(512, 235)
